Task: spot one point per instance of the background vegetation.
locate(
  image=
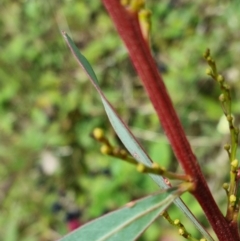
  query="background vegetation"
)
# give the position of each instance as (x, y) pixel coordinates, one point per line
(48, 108)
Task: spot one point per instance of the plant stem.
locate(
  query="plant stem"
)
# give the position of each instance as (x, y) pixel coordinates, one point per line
(127, 25)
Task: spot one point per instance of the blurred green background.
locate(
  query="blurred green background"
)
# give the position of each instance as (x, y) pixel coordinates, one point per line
(48, 109)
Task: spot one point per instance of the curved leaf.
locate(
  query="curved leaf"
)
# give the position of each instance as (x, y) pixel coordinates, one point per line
(127, 223)
(125, 135)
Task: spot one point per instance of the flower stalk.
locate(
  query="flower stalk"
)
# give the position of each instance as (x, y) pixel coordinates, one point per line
(108, 149)
(225, 100)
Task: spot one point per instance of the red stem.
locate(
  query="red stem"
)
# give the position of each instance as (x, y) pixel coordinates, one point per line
(127, 25)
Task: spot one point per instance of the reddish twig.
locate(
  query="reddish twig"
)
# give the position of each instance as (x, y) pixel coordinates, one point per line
(127, 25)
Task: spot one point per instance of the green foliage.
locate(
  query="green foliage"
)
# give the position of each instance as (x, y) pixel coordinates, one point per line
(125, 135)
(46, 104)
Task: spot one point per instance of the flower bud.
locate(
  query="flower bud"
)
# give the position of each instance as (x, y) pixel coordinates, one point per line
(98, 133)
(220, 78)
(208, 71)
(106, 150)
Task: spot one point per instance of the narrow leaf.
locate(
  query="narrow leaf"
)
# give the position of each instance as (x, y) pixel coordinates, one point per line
(126, 136)
(127, 223)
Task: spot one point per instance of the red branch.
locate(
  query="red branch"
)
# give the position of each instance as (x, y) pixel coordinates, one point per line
(127, 26)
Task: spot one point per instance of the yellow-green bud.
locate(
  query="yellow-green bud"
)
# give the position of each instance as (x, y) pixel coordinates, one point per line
(227, 147)
(234, 163)
(98, 133)
(181, 231)
(141, 167)
(155, 165)
(145, 14)
(176, 222)
(232, 199)
(225, 186)
(227, 87)
(220, 78)
(222, 98)
(125, 2)
(158, 168)
(137, 5)
(208, 71)
(106, 150)
(123, 153)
